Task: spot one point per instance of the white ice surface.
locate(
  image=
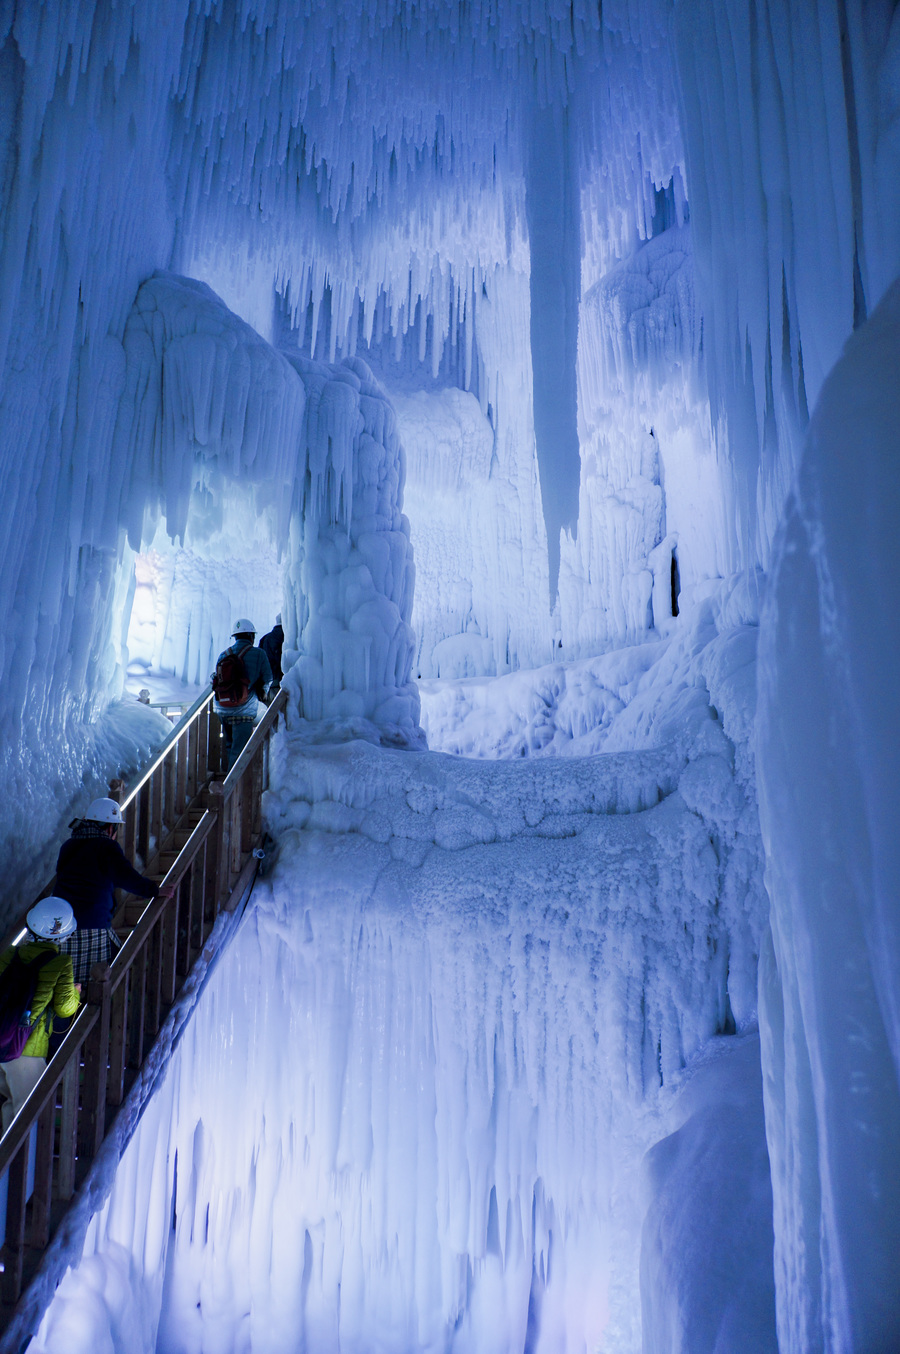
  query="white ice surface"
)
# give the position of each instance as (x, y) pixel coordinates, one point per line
(830, 972)
(707, 1282)
(412, 1108)
(384, 201)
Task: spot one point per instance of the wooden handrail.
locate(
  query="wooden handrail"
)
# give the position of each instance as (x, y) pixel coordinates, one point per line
(39, 1097)
(180, 732)
(61, 1126)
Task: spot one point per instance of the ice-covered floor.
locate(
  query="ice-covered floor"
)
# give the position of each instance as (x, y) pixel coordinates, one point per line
(413, 1109)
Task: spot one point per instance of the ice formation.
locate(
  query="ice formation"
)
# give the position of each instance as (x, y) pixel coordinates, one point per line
(370, 176)
(578, 274)
(459, 1013)
(831, 977)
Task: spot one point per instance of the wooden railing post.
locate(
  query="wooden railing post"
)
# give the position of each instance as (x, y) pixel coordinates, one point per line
(118, 1042)
(42, 1198)
(13, 1250)
(68, 1122)
(96, 1062)
(217, 855)
(144, 798)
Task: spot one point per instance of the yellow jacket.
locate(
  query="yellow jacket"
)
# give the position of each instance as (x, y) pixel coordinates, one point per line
(54, 993)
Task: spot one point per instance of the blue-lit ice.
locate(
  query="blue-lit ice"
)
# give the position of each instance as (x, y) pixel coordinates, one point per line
(412, 1108)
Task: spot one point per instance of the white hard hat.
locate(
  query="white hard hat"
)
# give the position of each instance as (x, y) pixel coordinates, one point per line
(104, 811)
(244, 627)
(51, 919)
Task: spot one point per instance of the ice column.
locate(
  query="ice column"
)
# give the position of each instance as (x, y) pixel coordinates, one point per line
(350, 577)
(829, 652)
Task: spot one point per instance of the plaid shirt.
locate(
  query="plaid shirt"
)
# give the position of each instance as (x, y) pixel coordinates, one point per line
(90, 947)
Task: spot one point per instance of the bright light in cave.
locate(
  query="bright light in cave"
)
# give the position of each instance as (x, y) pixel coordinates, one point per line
(538, 363)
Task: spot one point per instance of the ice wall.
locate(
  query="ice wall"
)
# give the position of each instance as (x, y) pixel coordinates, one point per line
(384, 196)
(412, 1108)
(475, 516)
(188, 596)
(652, 482)
(831, 974)
(784, 105)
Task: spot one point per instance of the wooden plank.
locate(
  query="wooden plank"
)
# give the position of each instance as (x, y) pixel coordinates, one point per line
(181, 794)
(41, 1199)
(129, 843)
(153, 981)
(115, 1080)
(169, 811)
(193, 745)
(183, 928)
(68, 1126)
(259, 767)
(157, 809)
(216, 853)
(14, 1247)
(92, 1120)
(248, 785)
(168, 956)
(203, 746)
(204, 883)
(136, 1009)
(143, 821)
(213, 753)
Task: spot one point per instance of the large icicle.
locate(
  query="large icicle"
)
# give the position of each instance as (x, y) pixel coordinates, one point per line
(829, 985)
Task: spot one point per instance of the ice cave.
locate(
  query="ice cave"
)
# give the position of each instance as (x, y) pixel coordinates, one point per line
(539, 362)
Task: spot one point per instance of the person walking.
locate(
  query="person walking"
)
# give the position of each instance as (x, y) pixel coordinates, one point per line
(90, 867)
(272, 645)
(39, 979)
(240, 681)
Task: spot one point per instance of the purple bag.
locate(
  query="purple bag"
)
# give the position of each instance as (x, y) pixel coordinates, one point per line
(17, 987)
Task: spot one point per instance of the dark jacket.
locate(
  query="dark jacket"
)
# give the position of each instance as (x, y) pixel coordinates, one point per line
(88, 870)
(260, 677)
(271, 645)
(54, 992)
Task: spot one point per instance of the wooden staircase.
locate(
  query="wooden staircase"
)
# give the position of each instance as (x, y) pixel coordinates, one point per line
(188, 825)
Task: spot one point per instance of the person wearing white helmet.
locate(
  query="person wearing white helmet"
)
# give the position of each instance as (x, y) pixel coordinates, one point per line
(90, 867)
(36, 983)
(241, 680)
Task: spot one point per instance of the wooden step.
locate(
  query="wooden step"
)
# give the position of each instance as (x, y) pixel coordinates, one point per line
(133, 911)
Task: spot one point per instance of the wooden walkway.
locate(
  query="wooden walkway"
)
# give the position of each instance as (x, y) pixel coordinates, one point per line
(199, 835)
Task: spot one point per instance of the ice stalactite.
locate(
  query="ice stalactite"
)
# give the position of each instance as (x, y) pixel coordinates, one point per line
(552, 200)
(782, 104)
(830, 977)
